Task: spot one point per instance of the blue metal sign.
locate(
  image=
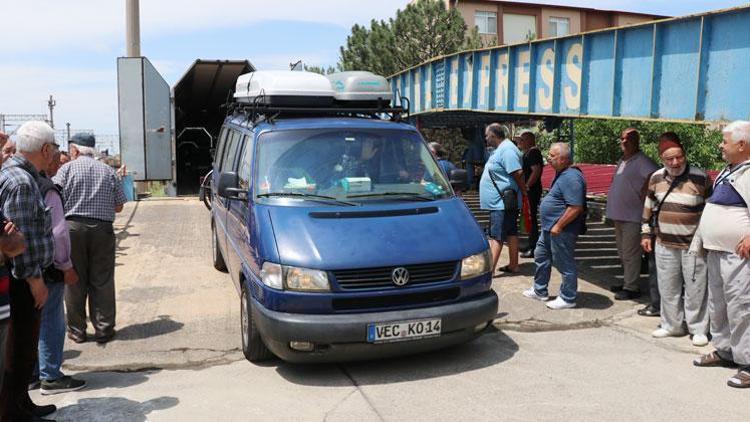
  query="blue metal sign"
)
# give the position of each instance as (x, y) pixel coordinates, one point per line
(693, 68)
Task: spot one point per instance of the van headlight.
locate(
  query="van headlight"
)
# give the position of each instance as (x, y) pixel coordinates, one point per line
(282, 277)
(272, 276)
(476, 265)
(306, 280)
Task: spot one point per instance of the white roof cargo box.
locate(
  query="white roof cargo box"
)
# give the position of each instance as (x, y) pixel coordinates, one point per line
(284, 88)
(360, 87)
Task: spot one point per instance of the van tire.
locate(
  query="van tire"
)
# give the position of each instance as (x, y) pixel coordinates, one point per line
(217, 257)
(252, 344)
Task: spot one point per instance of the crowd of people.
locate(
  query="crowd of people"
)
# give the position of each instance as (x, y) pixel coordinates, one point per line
(695, 231)
(58, 253)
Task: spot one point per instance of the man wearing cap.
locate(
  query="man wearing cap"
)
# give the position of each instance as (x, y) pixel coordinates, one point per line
(92, 194)
(671, 213)
(625, 209)
(23, 204)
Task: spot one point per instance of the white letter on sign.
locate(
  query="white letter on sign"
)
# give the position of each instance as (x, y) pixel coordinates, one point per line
(548, 78)
(573, 98)
(522, 77)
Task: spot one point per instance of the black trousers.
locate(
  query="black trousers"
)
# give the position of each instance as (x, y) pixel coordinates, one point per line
(92, 250)
(534, 199)
(21, 352)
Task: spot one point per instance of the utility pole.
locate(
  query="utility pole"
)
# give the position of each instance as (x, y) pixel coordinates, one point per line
(51, 104)
(132, 28)
(67, 126)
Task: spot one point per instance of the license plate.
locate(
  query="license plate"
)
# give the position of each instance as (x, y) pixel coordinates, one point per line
(403, 330)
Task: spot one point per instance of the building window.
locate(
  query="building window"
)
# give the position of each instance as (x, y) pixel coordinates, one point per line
(518, 28)
(486, 22)
(559, 27)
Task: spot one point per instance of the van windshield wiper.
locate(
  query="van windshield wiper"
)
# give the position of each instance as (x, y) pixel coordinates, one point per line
(309, 196)
(411, 195)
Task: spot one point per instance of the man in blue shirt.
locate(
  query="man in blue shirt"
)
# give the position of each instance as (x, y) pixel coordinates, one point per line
(562, 220)
(502, 177)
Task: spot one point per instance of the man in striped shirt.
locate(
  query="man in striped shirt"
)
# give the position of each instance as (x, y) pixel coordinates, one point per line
(671, 213)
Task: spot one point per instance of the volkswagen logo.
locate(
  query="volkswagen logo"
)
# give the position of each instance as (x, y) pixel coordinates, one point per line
(400, 276)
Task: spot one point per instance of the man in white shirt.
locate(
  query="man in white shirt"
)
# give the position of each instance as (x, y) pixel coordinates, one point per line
(724, 231)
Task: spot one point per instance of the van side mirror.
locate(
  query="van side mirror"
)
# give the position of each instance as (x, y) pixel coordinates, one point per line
(459, 180)
(229, 183)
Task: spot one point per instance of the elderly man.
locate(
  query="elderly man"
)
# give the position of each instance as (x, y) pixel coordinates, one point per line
(500, 192)
(533, 165)
(674, 203)
(724, 232)
(61, 273)
(625, 208)
(23, 204)
(7, 150)
(562, 220)
(92, 194)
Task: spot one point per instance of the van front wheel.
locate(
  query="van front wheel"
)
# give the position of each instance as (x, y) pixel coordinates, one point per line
(252, 345)
(217, 257)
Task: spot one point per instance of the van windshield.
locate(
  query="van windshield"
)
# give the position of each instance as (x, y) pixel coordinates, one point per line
(354, 165)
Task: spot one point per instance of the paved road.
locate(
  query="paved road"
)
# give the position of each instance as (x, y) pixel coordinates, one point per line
(177, 355)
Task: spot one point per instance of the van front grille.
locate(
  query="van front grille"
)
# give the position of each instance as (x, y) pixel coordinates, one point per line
(380, 277)
(396, 300)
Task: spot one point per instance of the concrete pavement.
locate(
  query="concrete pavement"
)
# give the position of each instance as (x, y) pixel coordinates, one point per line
(177, 355)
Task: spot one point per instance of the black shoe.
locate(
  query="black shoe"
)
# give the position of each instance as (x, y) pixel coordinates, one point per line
(34, 384)
(527, 254)
(77, 338)
(627, 295)
(41, 411)
(61, 385)
(648, 311)
(104, 338)
(615, 289)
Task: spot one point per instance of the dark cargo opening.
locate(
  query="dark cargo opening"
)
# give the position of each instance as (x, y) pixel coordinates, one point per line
(199, 97)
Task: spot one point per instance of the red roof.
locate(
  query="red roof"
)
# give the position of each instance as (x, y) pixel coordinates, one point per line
(598, 177)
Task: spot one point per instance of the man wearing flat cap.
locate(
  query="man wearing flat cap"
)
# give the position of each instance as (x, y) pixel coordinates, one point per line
(671, 214)
(92, 195)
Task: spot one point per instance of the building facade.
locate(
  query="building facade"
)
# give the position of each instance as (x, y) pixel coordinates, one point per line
(510, 22)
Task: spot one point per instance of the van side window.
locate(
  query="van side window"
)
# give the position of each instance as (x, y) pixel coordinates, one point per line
(227, 163)
(246, 163)
(220, 146)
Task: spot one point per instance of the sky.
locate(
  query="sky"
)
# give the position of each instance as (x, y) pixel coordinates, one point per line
(69, 48)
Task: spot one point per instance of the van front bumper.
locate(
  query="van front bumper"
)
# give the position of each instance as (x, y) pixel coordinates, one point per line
(343, 337)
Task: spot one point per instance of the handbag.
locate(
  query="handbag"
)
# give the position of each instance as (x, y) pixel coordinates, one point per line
(510, 200)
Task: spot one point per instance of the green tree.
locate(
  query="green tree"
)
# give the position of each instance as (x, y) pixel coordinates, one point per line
(596, 140)
(320, 69)
(423, 30)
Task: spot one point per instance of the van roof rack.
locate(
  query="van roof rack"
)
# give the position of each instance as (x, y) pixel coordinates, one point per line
(259, 111)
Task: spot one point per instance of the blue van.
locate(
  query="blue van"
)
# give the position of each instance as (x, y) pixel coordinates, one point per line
(342, 236)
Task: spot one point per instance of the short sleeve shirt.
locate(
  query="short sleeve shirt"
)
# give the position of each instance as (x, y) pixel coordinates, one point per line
(533, 157)
(624, 201)
(505, 160)
(569, 189)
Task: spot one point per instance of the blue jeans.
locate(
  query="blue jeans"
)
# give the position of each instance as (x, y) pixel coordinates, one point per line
(560, 252)
(52, 334)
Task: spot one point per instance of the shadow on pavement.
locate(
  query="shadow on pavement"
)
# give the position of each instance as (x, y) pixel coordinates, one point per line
(71, 354)
(489, 349)
(161, 326)
(113, 409)
(588, 300)
(100, 380)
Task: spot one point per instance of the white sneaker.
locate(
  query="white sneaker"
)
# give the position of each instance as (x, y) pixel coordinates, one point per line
(559, 303)
(700, 340)
(531, 294)
(662, 333)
